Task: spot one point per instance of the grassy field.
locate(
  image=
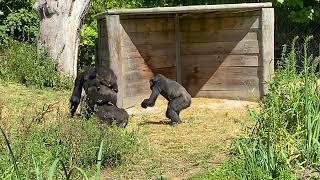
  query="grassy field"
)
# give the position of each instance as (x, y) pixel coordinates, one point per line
(198, 145)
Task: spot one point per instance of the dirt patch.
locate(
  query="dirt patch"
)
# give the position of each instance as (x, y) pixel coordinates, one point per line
(200, 143)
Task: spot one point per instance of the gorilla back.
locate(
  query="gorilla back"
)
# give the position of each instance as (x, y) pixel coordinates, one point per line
(98, 95)
(109, 114)
(175, 93)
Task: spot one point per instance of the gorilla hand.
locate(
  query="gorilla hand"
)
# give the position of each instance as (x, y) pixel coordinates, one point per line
(145, 103)
(74, 102)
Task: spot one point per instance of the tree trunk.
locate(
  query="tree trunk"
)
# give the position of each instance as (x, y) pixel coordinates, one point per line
(60, 25)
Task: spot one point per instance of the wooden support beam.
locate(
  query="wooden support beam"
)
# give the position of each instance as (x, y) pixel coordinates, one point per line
(114, 56)
(178, 48)
(186, 9)
(267, 48)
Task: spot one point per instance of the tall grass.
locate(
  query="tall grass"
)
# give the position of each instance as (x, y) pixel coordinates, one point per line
(286, 136)
(56, 146)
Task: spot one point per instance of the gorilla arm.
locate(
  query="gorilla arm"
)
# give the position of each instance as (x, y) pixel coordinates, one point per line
(153, 97)
(76, 94)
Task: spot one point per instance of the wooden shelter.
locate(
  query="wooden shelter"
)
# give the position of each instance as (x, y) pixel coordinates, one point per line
(220, 51)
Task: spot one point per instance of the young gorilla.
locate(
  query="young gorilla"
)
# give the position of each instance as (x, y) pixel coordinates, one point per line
(176, 94)
(102, 101)
(109, 114)
(98, 94)
(103, 77)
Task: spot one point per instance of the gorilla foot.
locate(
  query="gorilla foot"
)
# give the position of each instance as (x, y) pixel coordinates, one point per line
(173, 123)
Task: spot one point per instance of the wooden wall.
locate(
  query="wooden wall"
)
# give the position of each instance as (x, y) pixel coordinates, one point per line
(220, 53)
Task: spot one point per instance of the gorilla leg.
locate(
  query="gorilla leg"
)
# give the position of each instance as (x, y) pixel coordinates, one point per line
(174, 108)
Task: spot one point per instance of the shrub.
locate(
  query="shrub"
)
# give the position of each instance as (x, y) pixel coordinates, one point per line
(22, 63)
(286, 135)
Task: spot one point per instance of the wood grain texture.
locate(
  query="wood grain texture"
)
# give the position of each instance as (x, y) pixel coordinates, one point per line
(267, 47)
(115, 60)
(187, 9)
(242, 47)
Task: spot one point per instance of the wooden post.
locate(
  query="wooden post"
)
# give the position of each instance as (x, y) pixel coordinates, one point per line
(114, 56)
(178, 48)
(267, 48)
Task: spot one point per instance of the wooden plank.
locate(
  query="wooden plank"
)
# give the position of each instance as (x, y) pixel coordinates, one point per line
(267, 47)
(219, 60)
(227, 84)
(241, 95)
(178, 48)
(114, 60)
(242, 47)
(217, 14)
(148, 25)
(217, 24)
(140, 38)
(151, 62)
(152, 49)
(186, 9)
(222, 14)
(219, 36)
(139, 87)
(147, 73)
(219, 72)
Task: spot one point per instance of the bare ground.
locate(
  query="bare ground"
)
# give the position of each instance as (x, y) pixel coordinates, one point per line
(200, 143)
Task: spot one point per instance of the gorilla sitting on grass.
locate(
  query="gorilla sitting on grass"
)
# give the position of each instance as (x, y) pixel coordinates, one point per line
(175, 93)
(101, 96)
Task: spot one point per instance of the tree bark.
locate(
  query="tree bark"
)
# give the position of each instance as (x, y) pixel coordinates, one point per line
(60, 25)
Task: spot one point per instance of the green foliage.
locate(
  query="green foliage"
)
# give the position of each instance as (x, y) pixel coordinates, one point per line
(76, 142)
(21, 62)
(300, 11)
(286, 136)
(18, 20)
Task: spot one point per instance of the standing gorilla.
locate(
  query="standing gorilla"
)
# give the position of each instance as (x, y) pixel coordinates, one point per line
(104, 77)
(176, 94)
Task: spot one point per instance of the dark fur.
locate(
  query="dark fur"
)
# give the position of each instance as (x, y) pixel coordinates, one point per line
(98, 94)
(175, 93)
(105, 77)
(109, 114)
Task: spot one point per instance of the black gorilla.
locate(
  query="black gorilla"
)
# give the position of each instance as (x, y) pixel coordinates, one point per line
(99, 95)
(104, 77)
(176, 94)
(109, 114)
(101, 89)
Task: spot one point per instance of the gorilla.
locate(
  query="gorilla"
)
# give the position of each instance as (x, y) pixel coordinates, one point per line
(101, 96)
(98, 94)
(104, 77)
(175, 93)
(109, 114)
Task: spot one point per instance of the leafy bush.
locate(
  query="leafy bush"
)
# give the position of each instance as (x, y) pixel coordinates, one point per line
(18, 21)
(22, 63)
(286, 136)
(37, 142)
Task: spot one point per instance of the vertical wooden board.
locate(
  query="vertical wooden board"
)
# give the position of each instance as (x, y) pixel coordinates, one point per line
(114, 59)
(178, 48)
(267, 47)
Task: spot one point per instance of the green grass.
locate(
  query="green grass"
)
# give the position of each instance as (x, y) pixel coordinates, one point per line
(40, 131)
(284, 143)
